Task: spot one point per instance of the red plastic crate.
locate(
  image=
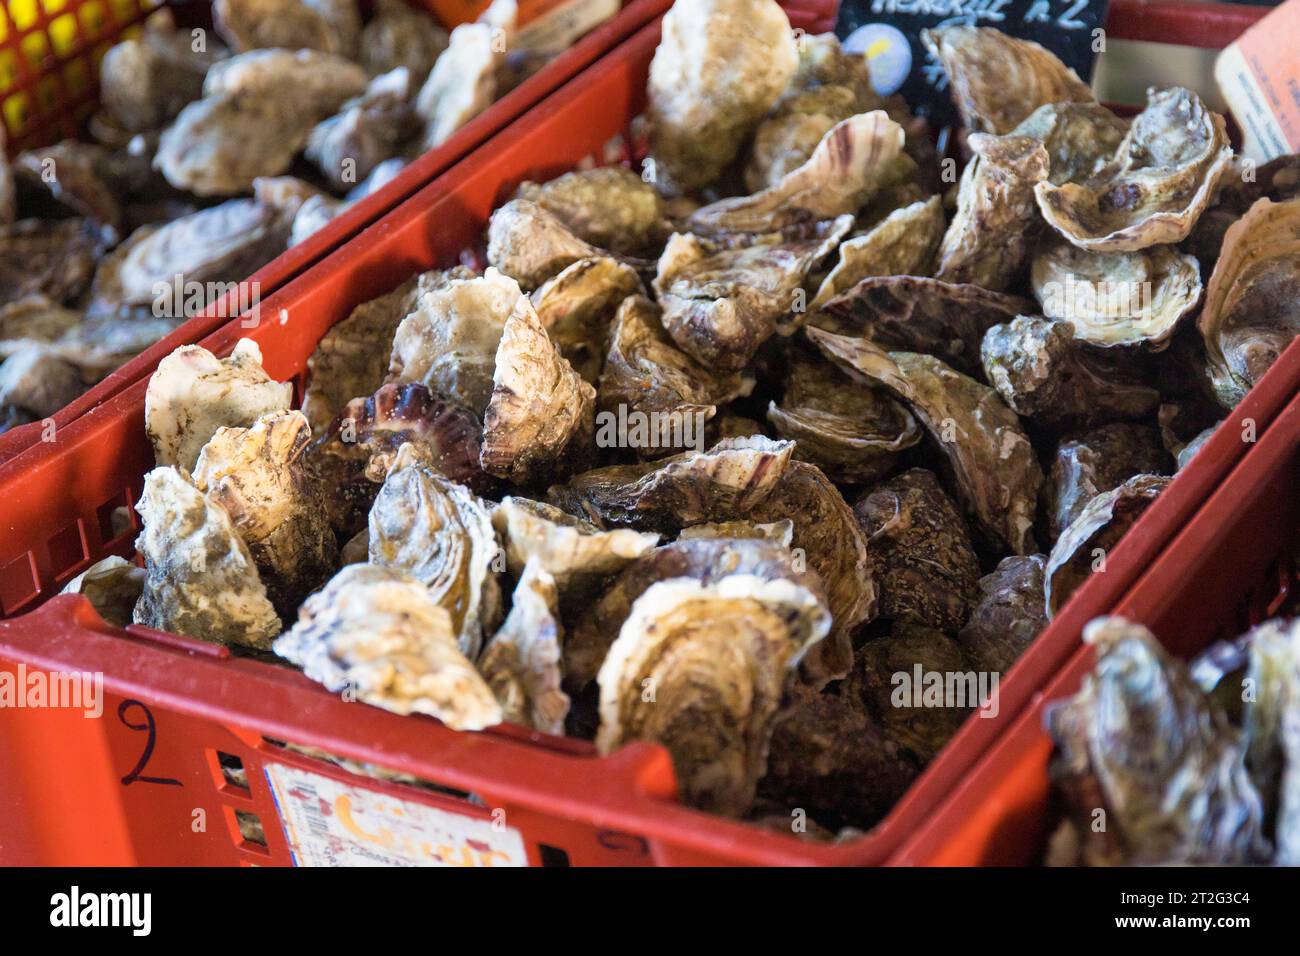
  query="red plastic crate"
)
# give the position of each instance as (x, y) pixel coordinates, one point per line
(567, 802)
(56, 108)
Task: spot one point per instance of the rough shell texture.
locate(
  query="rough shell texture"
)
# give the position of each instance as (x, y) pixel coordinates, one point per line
(77, 178)
(113, 586)
(441, 534)
(610, 207)
(702, 669)
(397, 36)
(569, 549)
(461, 84)
(200, 578)
(1097, 529)
(55, 259)
(383, 635)
(1080, 138)
(146, 80)
(348, 146)
(577, 306)
(193, 393)
(902, 244)
(719, 67)
(530, 244)
(331, 26)
(1160, 180)
(998, 80)
(993, 464)
(921, 551)
(1098, 460)
(1009, 613)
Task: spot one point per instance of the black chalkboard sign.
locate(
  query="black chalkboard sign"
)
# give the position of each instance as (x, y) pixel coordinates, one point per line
(888, 33)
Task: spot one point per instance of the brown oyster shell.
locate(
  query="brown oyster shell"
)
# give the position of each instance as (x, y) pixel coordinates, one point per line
(780, 532)
(1010, 612)
(331, 26)
(575, 553)
(530, 244)
(113, 586)
(55, 259)
(76, 177)
(146, 80)
(577, 307)
(398, 35)
(348, 146)
(1080, 138)
(39, 381)
(902, 244)
(1096, 461)
(610, 207)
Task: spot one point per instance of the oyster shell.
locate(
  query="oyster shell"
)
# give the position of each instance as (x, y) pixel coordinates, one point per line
(1084, 544)
(39, 381)
(1159, 182)
(439, 533)
(530, 244)
(1251, 313)
(331, 26)
(449, 341)
(999, 80)
(719, 67)
(77, 178)
(1097, 461)
(200, 578)
(917, 314)
(192, 393)
(256, 475)
(366, 131)
(33, 320)
(380, 634)
(1043, 372)
(991, 235)
(1080, 138)
(522, 661)
(610, 207)
(921, 551)
(717, 659)
(400, 36)
(902, 244)
(146, 80)
(540, 422)
(113, 586)
(576, 308)
(720, 484)
(1009, 613)
(1117, 298)
(781, 532)
(55, 259)
(462, 83)
(851, 432)
(720, 304)
(572, 551)
(848, 166)
(993, 464)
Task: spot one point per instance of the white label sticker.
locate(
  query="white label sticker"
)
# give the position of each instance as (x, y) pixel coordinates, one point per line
(328, 823)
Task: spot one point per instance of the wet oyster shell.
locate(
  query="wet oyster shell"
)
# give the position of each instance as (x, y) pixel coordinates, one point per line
(577, 306)
(397, 36)
(610, 207)
(256, 475)
(55, 259)
(331, 26)
(1009, 613)
(1080, 138)
(367, 130)
(902, 244)
(991, 235)
(441, 534)
(717, 659)
(1117, 298)
(530, 244)
(725, 482)
(380, 634)
(146, 80)
(993, 464)
(1043, 372)
(113, 586)
(192, 393)
(1097, 461)
(521, 663)
(998, 80)
(921, 552)
(200, 578)
(1251, 311)
(540, 421)
(850, 431)
(1085, 543)
(1160, 180)
(719, 67)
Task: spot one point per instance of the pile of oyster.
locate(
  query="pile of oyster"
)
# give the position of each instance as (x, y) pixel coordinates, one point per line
(214, 151)
(770, 449)
(1185, 763)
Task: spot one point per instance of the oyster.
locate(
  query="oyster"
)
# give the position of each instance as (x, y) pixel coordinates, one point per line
(1117, 298)
(200, 578)
(146, 80)
(993, 464)
(1141, 741)
(39, 381)
(381, 635)
(113, 586)
(720, 304)
(33, 320)
(350, 458)
(852, 432)
(1008, 614)
(1266, 696)
(999, 80)
(397, 36)
(719, 67)
(192, 393)
(1159, 182)
(991, 235)
(701, 669)
(521, 663)
(1084, 545)
(917, 314)
(576, 308)
(462, 83)
(1097, 461)
(449, 340)
(77, 178)
(781, 532)
(256, 475)
(1243, 186)
(331, 26)
(55, 259)
(439, 533)
(848, 166)
(720, 484)
(530, 244)
(1043, 372)
(921, 551)
(1080, 138)
(903, 244)
(1251, 313)
(610, 207)
(366, 131)
(100, 344)
(540, 420)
